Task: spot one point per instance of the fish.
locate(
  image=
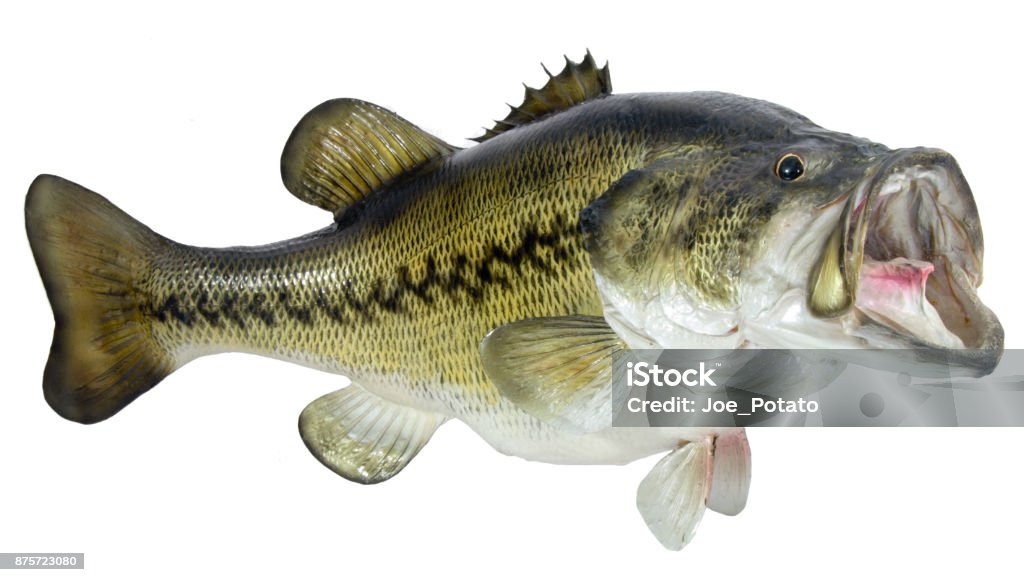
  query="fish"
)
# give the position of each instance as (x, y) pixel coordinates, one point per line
(496, 284)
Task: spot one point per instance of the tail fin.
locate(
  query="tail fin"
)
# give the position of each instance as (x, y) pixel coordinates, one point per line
(91, 257)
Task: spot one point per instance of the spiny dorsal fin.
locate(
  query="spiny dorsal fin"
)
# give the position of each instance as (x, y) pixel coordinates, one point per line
(578, 82)
(344, 149)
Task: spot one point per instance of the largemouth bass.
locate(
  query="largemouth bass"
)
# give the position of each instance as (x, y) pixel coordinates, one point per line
(494, 284)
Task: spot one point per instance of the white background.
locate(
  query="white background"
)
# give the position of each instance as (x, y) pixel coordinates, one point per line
(178, 115)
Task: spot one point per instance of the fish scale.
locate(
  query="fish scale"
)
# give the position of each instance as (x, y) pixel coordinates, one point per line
(398, 293)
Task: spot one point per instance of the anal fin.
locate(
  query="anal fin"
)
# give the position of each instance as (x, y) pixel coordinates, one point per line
(363, 437)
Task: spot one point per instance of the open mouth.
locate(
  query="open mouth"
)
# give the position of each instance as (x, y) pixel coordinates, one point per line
(907, 254)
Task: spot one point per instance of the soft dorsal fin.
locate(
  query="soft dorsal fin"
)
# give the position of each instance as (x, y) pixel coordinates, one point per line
(578, 82)
(344, 149)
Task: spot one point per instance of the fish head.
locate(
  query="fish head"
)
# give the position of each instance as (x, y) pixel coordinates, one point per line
(796, 238)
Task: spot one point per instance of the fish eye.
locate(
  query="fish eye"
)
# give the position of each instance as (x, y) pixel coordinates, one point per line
(789, 167)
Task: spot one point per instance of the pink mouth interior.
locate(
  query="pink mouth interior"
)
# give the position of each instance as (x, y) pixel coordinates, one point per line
(894, 292)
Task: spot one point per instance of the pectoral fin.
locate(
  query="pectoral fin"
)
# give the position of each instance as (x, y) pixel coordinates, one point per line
(363, 437)
(558, 369)
(673, 496)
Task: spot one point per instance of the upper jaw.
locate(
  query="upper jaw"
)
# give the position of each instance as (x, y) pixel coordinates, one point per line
(913, 217)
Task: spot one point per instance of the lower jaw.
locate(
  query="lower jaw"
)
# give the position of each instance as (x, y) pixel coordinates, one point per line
(894, 293)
